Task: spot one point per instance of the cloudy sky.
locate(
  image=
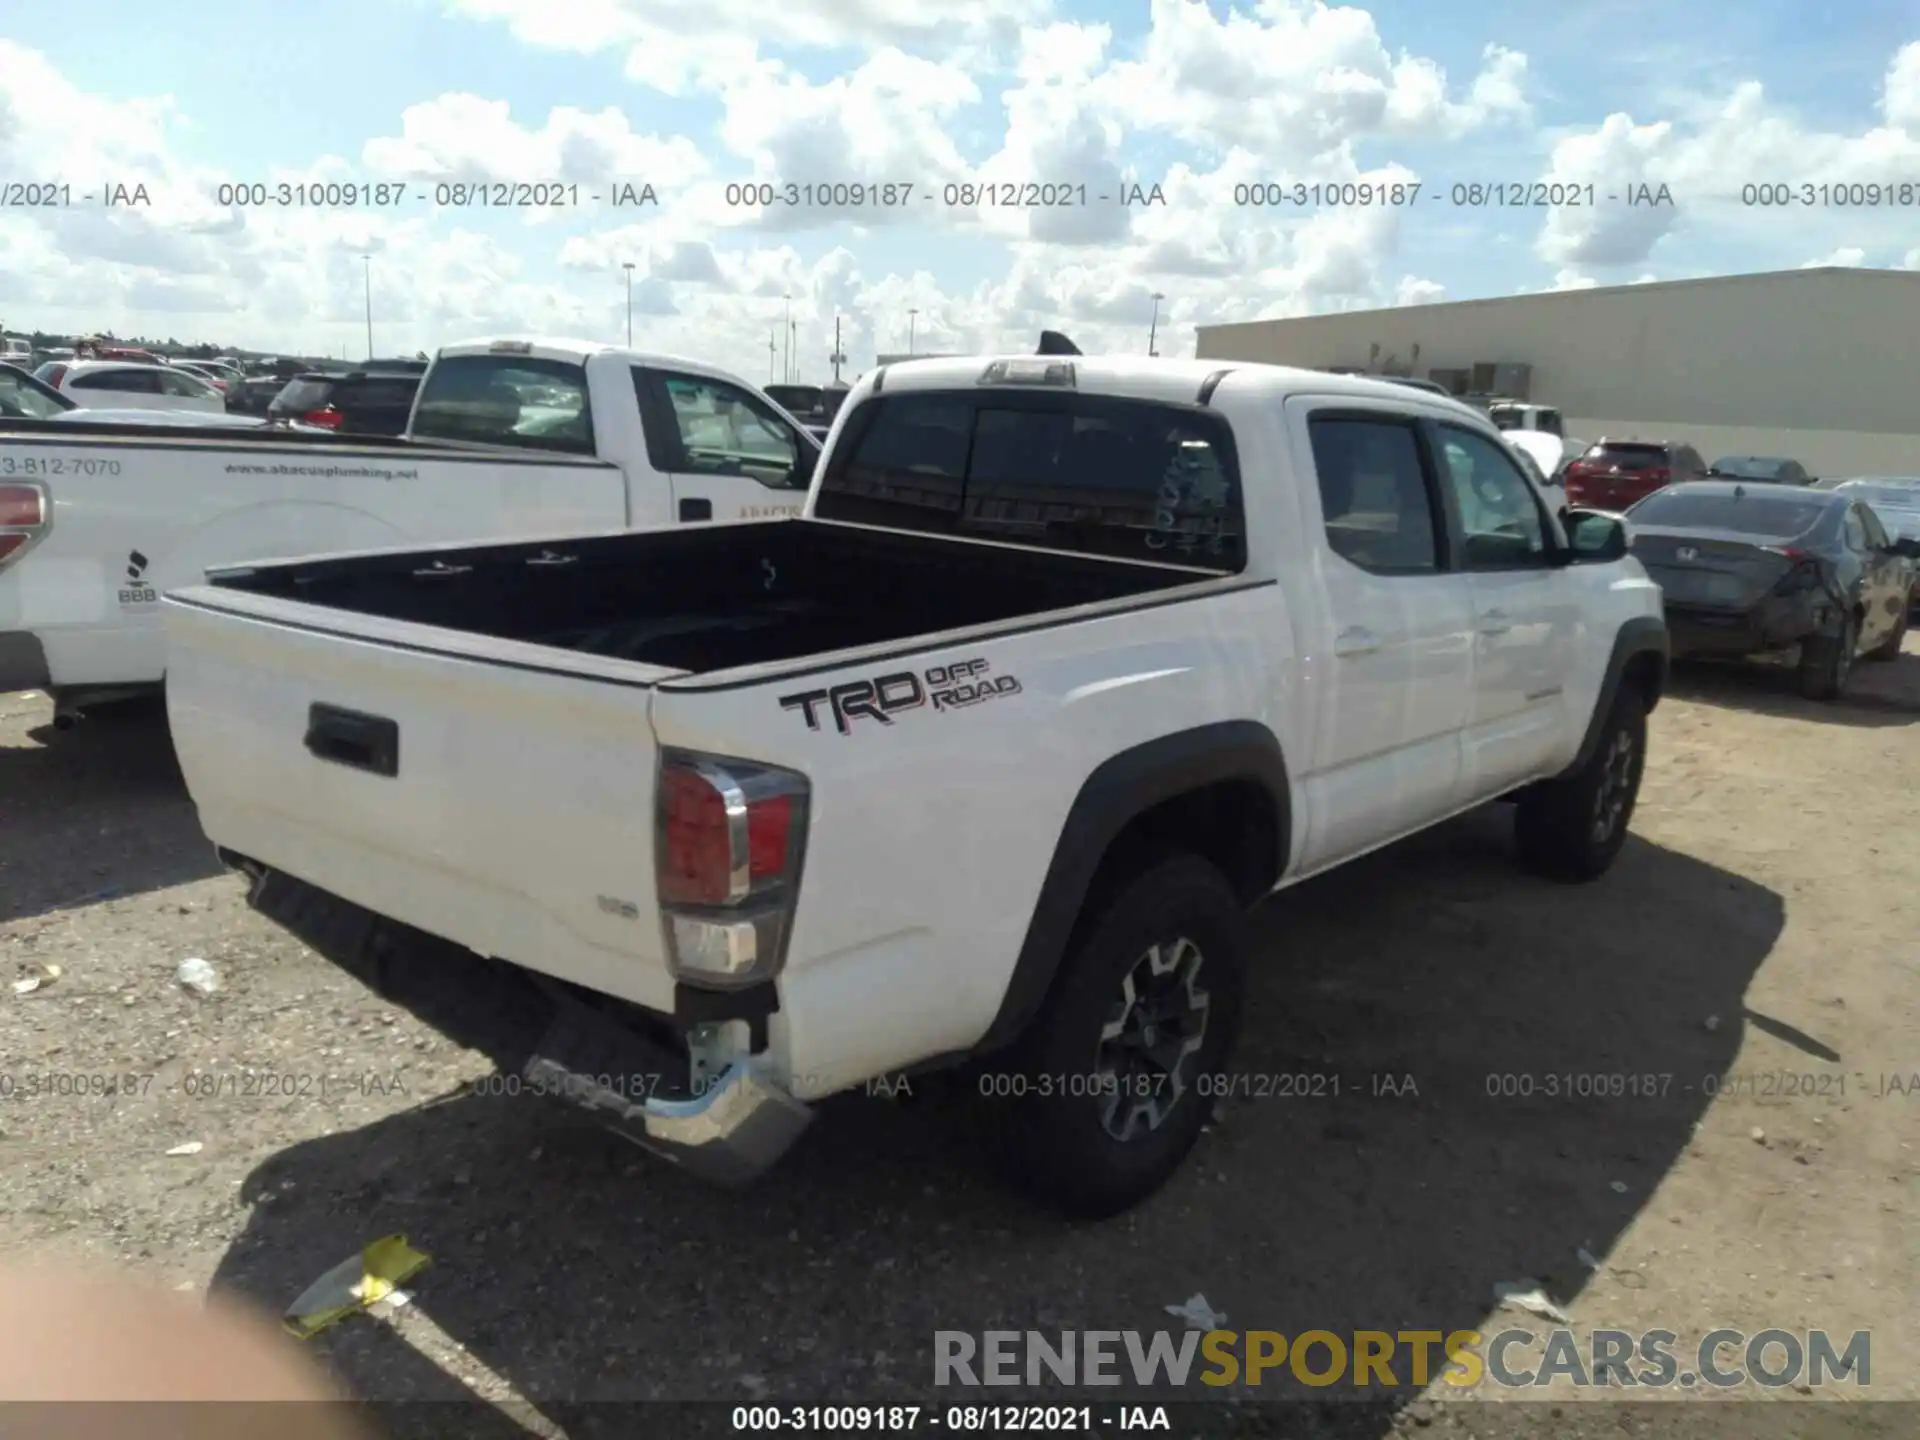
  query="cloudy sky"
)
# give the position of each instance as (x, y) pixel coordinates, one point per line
(1194, 97)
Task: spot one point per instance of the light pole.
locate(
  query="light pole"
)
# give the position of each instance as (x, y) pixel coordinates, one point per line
(627, 265)
(366, 270)
(838, 358)
(1153, 329)
(772, 350)
(912, 316)
(786, 366)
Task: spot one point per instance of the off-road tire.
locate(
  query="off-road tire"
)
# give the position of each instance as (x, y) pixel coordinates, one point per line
(1558, 826)
(1889, 648)
(1039, 1106)
(1826, 661)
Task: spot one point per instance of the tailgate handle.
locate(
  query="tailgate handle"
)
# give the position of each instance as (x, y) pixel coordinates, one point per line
(350, 738)
(696, 510)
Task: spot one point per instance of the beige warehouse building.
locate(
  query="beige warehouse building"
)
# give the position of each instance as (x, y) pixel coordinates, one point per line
(1822, 365)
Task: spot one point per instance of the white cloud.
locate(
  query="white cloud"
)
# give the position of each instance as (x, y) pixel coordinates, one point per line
(1298, 81)
(465, 137)
(677, 45)
(1710, 166)
(1849, 256)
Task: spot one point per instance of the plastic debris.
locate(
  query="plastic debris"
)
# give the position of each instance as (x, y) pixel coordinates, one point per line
(191, 1147)
(1712, 1023)
(1587, 1258)
(1757, 1135)
(198, 976)
(48, 974)
(1198, 1314)
(1528, 1296)
(356, 1283)
(1619, 1187)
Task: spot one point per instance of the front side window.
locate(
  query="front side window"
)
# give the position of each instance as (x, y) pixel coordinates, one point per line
(173, 382)
(1500, 521)
(723, 430)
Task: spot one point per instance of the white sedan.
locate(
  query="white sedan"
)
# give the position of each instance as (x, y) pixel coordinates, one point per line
(123, 385)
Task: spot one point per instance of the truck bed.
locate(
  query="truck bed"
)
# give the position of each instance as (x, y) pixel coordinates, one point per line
(712, 597)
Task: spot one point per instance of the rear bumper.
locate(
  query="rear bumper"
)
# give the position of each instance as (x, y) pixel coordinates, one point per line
(23, 662)
(1775, 624)
(728, 1129)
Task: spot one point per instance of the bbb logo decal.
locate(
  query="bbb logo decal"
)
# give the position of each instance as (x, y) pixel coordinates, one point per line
(136, 591)
(948, 687)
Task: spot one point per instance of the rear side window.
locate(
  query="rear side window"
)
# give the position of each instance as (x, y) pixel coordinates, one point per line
(1552, 424)
(513, 400)
(1770, 515)
(376, 393)
(1374, 498)
(1100, 475)
(126, 382)
(22, 401)
(1629, 457)
(304, 395)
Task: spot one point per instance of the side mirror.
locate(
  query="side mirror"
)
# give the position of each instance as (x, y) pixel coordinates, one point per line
(1596, 536)
(1906, 545)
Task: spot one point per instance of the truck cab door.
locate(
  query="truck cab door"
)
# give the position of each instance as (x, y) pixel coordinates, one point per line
(1526, 618)
(726, 453)
(1393, 643)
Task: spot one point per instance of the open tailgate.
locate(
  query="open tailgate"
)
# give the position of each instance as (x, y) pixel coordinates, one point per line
(497, 794)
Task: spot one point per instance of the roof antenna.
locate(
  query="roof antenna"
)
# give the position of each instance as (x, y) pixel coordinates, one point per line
(1052, 342)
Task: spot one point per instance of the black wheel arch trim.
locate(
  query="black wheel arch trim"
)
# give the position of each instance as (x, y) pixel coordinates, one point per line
(1119, 789)
(1642, 635)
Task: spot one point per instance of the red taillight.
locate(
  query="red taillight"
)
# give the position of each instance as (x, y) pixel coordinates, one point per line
(327, 418)
(696, 853)
(22, 507)
(24, 513)
(1659, 475)
(727, 859)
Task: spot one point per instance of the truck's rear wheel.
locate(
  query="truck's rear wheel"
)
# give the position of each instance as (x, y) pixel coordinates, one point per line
(1572, 828)
(1104, 1095)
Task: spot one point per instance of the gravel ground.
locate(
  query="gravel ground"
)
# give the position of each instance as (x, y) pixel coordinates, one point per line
(1762, 922)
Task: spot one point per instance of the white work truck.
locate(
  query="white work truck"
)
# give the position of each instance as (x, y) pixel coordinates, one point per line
(978, 763)
(507, 437)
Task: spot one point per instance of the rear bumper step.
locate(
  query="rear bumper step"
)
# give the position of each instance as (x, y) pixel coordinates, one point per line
(728, 1129)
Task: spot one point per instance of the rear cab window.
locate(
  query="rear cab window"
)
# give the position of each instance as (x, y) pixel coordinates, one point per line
(1628, 456)
(519, 401)
(1094, 474)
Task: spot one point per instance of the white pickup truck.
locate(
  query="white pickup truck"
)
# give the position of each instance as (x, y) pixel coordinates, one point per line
(978, 763)
(507, 437)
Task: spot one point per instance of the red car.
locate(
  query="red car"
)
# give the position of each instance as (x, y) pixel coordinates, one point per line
(1614, 474)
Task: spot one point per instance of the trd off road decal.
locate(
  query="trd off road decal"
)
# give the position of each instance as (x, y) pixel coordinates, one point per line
(137, 591)
(946, 687)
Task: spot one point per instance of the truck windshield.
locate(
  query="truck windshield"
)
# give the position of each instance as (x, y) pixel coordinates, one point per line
(1100, 475)
(514, 400)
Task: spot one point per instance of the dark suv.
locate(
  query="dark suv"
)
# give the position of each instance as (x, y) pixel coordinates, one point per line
(352, 402)
(1614, 474)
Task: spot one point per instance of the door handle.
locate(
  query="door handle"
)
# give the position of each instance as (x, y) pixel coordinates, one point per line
(696, 510)
(1495, 622)
(356, 740)
(1355, 640)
